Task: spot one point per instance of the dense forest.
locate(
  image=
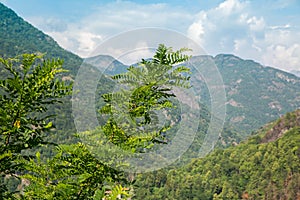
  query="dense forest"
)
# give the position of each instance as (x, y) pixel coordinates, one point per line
(43, 154)
(266, 166)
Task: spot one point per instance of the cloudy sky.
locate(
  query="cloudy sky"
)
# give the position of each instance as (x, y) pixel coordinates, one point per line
(267, 31)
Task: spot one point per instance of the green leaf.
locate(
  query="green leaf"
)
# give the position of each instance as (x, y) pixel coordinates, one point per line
(49, 125)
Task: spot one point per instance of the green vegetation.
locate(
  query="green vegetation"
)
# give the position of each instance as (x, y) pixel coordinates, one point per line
(25, 95)
(36, 113)
(252, 170)
(131, 111)
(19, 37)
(73, 172)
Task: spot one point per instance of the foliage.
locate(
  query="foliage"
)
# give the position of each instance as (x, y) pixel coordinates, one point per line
(73, 173)
(251, 170)
(20, 37)
(147, 88)
(30, 87)
(117, 192)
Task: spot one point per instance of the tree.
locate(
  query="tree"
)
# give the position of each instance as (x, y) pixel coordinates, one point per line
(145, 88)
(74, 172)
(30, 86)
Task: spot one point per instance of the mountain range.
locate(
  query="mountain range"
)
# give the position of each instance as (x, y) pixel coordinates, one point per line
(266, 166)
(255, 94)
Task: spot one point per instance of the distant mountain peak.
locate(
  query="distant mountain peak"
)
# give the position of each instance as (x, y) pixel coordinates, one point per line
(227, 56)
(107, 63)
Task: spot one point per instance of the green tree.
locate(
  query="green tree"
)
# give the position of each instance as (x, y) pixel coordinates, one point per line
(74, 173)
(147, 87)
(30, 86)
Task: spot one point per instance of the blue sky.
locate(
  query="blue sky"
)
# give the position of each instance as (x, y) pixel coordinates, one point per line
(267, 31)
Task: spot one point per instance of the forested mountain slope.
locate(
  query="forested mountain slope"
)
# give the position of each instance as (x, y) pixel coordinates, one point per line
(18, 37)
(267, 166)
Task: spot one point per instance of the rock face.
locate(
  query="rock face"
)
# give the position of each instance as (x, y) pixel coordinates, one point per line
(284, 124)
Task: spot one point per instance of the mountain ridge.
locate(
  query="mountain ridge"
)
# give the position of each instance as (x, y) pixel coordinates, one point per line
(19, 36)
(256, 94)
(248, 84)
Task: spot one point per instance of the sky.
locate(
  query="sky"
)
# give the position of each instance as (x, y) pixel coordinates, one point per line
(267, 31)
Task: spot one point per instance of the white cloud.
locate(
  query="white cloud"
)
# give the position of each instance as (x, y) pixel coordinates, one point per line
(142, 50)
(256, 24)
(229, 7)
(131, 55)
(80, 42)
(120, 16)
(234, 27)
(82, 36)
(196, 32)
(286, 58)
(220, 26)
(286, 26)
(53, 24)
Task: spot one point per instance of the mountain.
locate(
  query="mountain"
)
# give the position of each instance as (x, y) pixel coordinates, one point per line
(295, 72)
(107, 64)
(266, 166)
(255, 94)
(18, 37)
